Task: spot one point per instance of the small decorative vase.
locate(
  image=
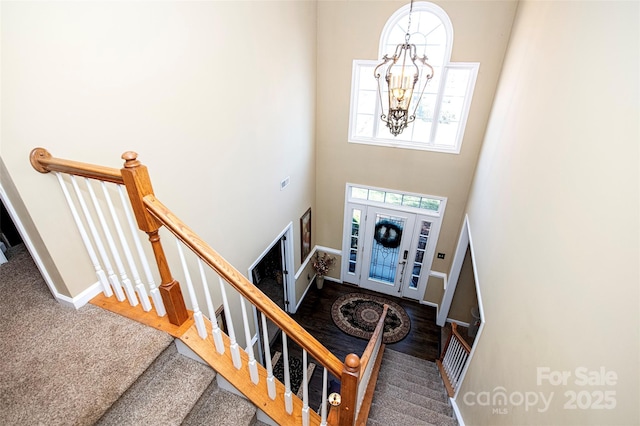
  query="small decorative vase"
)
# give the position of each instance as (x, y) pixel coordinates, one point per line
(319, 282)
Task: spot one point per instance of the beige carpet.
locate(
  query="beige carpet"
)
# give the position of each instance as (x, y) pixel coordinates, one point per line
(52, 355)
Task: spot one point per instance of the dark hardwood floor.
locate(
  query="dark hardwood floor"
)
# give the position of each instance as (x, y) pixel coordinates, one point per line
(423, 340)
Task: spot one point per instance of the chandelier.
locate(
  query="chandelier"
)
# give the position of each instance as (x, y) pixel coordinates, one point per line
(401, 74)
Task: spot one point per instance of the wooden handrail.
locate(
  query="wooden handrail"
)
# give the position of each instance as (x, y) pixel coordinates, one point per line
(454, 332)
(151, 214)
(377, 334)
(42, 161)
(243, 286)
(352, 375)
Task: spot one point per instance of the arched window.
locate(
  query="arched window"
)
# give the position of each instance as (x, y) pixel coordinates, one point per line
(442, 112)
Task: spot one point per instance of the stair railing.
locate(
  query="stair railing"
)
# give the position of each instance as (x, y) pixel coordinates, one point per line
(453, 360)
(221, 350)
(370, 365)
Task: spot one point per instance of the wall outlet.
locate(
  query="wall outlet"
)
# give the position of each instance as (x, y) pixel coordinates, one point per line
(440, 255)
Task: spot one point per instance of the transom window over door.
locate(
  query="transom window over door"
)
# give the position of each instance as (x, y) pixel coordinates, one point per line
(441, 113)
(390, 239)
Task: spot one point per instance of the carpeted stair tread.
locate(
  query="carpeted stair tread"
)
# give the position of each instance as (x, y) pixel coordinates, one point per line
(382, 414)
(219, 407)
(88, 348)
(424, 372)
(163, 394)
(417, 412)
(396, 375)
(409, 391)
(408, 360)
(438, 395)
(384, 390)
(405, 407)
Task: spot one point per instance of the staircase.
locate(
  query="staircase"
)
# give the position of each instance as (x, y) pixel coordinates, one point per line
(409, 392)
(85, 367)
(190, 393)
(176, 390)
(120, 372)
(153, 388)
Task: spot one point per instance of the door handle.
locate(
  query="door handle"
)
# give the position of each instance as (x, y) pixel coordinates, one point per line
(404, 264)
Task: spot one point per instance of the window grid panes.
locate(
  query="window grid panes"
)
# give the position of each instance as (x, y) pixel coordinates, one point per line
(355, 235)
(423, 238)
(394, 198)
(442, 110)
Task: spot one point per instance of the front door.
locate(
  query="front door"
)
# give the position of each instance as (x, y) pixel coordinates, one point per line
(390, 251)
(389, 240)
(386, 249)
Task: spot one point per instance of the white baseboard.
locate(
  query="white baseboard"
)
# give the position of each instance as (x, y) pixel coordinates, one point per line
(82, 299)
(426, 302)
(456, 412)
(460, 323)
(303, 295)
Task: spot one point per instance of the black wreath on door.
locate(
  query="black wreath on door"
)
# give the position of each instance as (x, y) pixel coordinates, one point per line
(388, 234)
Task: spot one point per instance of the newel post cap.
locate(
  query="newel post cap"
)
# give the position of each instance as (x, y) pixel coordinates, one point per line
(130, 159)
(352, 362)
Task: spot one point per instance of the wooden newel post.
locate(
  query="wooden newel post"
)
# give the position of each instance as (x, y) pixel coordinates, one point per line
(138, 184)
(349, 390)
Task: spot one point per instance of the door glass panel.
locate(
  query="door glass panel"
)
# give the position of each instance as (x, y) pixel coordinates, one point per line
(355, 235)
(423, 238)
(385, 248)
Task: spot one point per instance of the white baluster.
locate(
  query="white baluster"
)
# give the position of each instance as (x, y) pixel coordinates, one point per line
(325, 397)
(449, 357)
(463, 362)
(288, 399)
(253, 366)
(102, 277)
(305, 390)
(128, 287)
(458, 361)
(446, 361)
(271, 383)
(153, 289)
(140, 289)
(113, 279)
(197, 315)
(215, 328)
(235, 349)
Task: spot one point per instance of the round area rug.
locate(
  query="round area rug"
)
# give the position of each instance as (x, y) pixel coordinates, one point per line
(357, 314)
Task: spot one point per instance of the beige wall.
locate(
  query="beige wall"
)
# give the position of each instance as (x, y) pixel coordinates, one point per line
(465, 297)
(16, 207)
(554, 217)
(218, 99)
(349, 30)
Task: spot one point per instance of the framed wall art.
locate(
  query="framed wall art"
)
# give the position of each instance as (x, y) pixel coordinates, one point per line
(305, 235)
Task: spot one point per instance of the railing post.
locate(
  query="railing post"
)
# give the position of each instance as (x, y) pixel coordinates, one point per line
(138, 184)
(446, 345)
(349, 390)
